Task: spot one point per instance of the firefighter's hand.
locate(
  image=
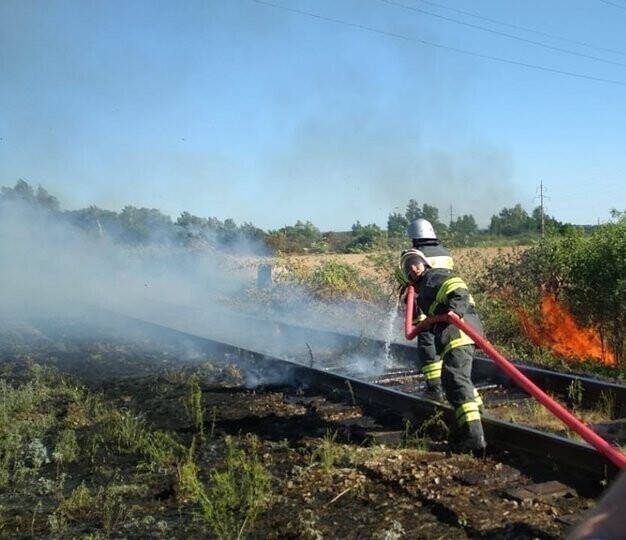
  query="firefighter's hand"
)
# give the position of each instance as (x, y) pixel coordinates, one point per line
(402, 291)
(423, 326)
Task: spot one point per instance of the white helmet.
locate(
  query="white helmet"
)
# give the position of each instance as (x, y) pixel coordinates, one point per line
(421, 229)
(410, 257)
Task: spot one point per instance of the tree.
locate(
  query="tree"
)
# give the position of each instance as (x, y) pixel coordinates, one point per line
(413, 211)
(144, 225)
(227, 233)
(511, 222)
(249, 232)
(25, 193)
(396, 225)
(47, 201)
(22, 191)
(96, 221)
(431, 213)
(464, 226)
(299, 238)
(365, 237)
(550, 225)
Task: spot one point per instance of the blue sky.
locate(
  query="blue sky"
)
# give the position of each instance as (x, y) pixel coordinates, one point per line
(330, 111)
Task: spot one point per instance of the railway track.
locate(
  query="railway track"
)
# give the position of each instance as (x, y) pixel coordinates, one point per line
(525, 472)
(323, 362)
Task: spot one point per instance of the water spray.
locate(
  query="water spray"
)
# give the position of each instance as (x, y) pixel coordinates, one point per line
(524, 382)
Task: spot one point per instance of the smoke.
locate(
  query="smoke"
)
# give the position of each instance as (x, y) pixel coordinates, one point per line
(54, 269)
(50, 265)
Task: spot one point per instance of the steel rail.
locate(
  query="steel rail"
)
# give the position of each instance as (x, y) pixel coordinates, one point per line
(268, 370)
(484, 369)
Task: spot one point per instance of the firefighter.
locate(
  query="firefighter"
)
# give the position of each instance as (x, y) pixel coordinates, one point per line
(423, 238)
(439, 291)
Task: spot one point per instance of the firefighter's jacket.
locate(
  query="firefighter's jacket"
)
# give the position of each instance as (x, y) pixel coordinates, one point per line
(438, 257)
(440, 290)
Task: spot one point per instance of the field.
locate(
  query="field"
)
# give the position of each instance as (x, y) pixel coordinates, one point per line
(470, 262)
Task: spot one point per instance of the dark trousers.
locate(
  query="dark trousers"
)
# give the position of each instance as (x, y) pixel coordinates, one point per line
(429, 363)
(456, 375)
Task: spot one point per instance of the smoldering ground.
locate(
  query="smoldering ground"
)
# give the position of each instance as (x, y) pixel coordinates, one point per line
(52, 269)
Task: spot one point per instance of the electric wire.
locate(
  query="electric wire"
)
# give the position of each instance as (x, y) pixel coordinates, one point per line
(498, 33)
(439, 45)
(523, 28)
(613, 4)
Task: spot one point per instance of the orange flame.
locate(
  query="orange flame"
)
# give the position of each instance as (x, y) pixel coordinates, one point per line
(560, 332)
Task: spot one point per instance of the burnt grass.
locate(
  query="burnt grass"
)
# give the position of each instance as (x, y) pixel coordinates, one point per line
(325, 481)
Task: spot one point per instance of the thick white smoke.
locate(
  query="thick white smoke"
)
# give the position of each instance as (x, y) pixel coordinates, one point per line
(50, 268)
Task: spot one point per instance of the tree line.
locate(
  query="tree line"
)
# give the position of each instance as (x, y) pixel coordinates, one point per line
(142, 226)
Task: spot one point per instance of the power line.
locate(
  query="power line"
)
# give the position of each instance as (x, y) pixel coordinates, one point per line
(523, 28)
(613, 4)
(504, 34)
(439, 45)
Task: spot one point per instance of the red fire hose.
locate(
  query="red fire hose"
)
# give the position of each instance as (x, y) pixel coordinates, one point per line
(526, 384)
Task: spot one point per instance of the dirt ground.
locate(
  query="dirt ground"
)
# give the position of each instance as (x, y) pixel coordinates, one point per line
(324, 481)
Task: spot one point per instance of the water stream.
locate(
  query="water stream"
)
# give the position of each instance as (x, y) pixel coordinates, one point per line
(392, 316)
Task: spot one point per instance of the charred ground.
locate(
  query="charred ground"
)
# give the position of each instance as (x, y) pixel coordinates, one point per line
(105, 436)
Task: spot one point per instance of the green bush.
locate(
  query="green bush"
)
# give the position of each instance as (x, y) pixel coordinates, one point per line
(584, 273)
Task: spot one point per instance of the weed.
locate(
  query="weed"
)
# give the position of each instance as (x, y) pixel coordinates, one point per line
(57, 523)
(307, 525)
(418, 438)
(47, 486)
(606, 404)
(126, 430)
(194, 404)
(536, 412)
(188, 481)
(38, 507)
(575, 393)
(175, 376)
(235, 496)
(395, 532)
(413, 438)
(93, 446)
(85, 409)
(80, 504)
(162, 451)
(349, 385)
(113, 510)
(329, 451)
(66, 449)
(36, 454)
(213, 422)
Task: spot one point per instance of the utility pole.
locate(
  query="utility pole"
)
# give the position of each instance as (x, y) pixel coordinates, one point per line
(543, 225)
(451, 215)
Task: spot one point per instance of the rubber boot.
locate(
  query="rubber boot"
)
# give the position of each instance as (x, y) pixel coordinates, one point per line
(479, 402)
(473, 439)
(434, 392)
